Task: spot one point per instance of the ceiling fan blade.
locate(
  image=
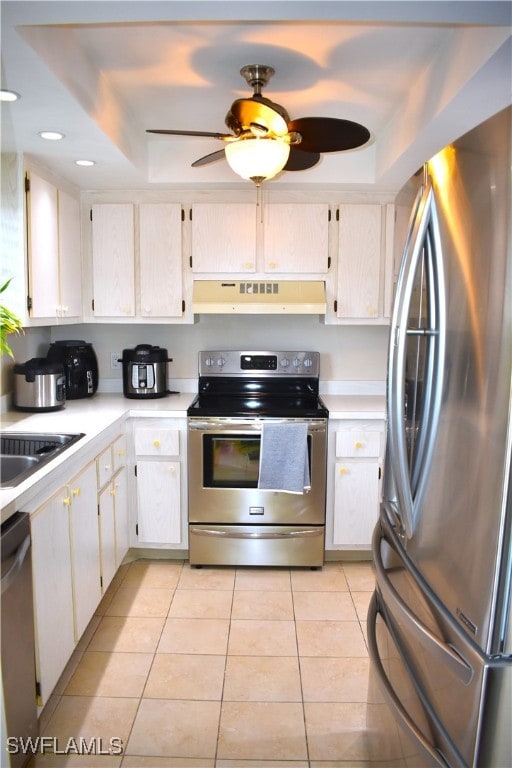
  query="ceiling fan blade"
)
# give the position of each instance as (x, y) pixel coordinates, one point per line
(193, 133)
(258, 111)
(328, 134)
(300, 161)
(211, 158)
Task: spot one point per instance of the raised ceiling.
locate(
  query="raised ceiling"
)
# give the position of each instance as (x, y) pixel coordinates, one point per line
(417, 74)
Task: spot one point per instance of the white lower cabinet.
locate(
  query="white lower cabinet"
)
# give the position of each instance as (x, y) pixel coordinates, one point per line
(112, 509)
(53, 591)
(354, 489)
(79, 538)
(160, 479)
(158, 497)
(85, 554)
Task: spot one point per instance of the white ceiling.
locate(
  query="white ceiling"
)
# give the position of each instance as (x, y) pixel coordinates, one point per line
(416, 74)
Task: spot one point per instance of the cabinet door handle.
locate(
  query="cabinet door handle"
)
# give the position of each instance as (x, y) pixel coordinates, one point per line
(113, 491)
(172, 469)
(66, 501)
(343, 471)
(76, 491)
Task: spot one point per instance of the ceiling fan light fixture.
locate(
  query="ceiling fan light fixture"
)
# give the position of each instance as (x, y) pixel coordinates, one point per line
(257, 158)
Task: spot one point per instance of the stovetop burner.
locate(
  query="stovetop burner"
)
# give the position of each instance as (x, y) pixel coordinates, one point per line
(267, 384)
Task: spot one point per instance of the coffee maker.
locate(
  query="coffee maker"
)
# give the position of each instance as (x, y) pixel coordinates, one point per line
(80, 367)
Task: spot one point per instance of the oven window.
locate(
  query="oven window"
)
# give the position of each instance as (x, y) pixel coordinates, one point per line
(231, 461)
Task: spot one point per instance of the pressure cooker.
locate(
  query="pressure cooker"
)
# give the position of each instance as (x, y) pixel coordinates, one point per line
(145, 371)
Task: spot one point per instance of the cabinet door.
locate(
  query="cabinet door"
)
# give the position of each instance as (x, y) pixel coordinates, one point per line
(70, 270)
(360, 262)
(120, 487)
(107, 535)
(356, 503)
(43, 248)
(224, 237)
(53, 597)
(296, 237)
(161, 292)
(158, 499)
(85, 548)
(113, 260)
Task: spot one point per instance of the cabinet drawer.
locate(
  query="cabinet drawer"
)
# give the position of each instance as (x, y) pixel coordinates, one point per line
(363, 443)
(152, 441)
(119, 453)
(104, 466)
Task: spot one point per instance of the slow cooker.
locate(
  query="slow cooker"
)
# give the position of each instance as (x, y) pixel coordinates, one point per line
(39, 385)
(145, 371)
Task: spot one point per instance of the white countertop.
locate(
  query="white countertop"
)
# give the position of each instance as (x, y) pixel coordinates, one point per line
(97, 414)
(91, 416)
(355, 406)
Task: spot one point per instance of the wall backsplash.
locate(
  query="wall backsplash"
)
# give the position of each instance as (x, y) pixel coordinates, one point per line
(347, 352)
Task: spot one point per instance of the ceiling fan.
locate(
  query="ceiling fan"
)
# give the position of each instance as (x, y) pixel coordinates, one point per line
(265, 141)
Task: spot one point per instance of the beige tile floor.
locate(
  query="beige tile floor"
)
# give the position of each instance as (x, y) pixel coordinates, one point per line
(220, 668)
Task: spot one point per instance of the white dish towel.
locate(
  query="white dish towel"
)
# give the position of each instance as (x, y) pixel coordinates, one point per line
(284, 463)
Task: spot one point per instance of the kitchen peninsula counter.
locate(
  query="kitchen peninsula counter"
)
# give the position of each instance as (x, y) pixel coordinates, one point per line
(101, 416)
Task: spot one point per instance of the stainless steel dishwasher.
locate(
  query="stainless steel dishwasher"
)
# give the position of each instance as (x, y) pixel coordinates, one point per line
(18, 667)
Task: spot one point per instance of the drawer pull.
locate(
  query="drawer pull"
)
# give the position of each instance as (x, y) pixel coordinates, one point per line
(358, 444)
(156, 443)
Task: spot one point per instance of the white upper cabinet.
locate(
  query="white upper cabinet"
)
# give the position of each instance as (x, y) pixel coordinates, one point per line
(224, 237)
(113, 260)
(272, 238)
(296, 238)
(365, 262)
(160, 260)
(70, 256)
(137, 260)
(54, 263)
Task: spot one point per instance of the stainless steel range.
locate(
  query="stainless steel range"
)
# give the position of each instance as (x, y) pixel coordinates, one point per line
(257, 447)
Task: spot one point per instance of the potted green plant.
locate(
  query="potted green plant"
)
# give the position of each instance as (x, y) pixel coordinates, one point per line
(9, 323)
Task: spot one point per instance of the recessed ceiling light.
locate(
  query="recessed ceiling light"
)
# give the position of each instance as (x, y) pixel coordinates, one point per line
(51, 135)
(6, 95)
(85, 162)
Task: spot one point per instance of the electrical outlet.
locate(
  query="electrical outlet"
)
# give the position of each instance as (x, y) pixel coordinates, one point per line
(114, 360)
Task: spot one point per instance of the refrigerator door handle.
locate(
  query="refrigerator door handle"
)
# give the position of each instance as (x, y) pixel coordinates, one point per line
(423, 235)
(433, 755)
(422, 633)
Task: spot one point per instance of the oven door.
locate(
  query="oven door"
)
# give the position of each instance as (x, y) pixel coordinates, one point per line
(223, 464)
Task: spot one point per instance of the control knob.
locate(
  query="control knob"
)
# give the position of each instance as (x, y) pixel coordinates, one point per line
(284, 362)
(308, 362)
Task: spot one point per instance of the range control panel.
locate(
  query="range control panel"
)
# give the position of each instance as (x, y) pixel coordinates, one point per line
(248, 363)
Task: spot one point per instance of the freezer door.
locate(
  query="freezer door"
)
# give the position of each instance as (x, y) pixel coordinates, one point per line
(410, 738)
(449, 670)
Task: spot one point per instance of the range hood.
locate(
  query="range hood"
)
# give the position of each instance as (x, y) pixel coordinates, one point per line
(257, 297)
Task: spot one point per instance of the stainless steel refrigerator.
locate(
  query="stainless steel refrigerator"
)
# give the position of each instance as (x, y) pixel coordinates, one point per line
(440, 620)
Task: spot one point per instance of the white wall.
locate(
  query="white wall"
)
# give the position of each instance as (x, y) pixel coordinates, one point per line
(348, 353)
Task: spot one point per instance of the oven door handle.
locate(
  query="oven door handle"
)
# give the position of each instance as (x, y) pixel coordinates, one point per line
(256, 534)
